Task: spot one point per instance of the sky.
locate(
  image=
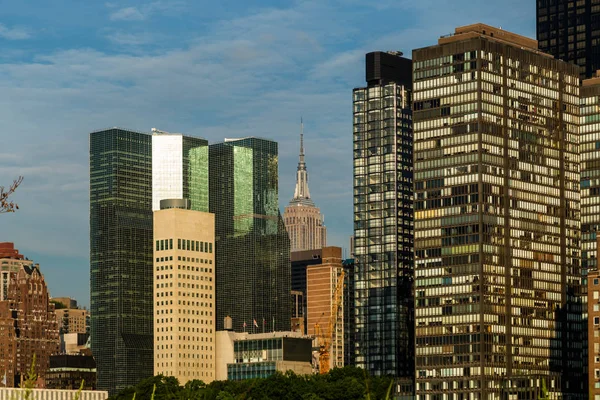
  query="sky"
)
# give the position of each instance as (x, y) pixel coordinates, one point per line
(214, 69)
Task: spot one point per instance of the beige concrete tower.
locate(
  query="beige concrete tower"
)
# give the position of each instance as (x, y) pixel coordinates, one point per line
(303, 220)
(184, 292)
(321, 281)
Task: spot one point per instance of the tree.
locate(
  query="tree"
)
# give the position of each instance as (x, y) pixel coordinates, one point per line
(6, 205)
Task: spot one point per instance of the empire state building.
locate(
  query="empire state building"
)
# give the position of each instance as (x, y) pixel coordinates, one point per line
(303, 220)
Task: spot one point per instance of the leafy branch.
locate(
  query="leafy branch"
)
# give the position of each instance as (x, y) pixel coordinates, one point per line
(6, 205)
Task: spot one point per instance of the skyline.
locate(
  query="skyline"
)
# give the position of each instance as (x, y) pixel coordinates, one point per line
(227, 70)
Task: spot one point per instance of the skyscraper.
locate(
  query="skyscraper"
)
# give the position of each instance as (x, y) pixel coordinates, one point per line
(121, 257)
(570, 31)
(252, 245)
(497, 243)
(303, 220)
(179, 169)
(383, 217)
(184, 292)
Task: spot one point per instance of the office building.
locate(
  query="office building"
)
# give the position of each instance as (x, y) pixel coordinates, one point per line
(300, 261)
(321, 284)
(593, 334)
(252, 245)
(383, 216)
(179, 169)
(497, 243)
(349, 307)
(570, 31)
(242, 355)
(121, 257)
(184, 292)
(28, 327)
(70, 371)
(303, 220)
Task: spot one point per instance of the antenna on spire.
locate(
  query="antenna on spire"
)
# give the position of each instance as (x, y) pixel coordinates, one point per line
(301, 137)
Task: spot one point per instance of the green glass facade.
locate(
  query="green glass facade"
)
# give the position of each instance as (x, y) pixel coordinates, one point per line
(253, 281)
(121, 257)
(195, 172)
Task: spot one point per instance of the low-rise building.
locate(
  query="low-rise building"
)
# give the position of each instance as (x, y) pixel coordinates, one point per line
(70, 371)
(247, 356)
(52, 394)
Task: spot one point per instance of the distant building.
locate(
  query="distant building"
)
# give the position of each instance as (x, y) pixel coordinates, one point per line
(252, 245)
(298, 312)
(121, 257)
(75, 343)
(10, 261)
(247, 356)
(349, 312)
(303, 220)
(68, 371)
(321, 284)
(71, 319)
(28, 326)
(593, 333)
(300, 261)
(184, 292)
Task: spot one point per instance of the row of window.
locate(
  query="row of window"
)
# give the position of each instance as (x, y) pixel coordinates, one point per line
(184, 244)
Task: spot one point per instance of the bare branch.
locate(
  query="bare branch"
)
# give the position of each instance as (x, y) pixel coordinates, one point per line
(6, 205)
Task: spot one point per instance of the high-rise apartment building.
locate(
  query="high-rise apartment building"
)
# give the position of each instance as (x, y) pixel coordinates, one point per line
(10, 261)
(28, 327)
(252, 245)
(121, 257)
(321, 284)
(184, 293)
(383, 217)
(497, 245)
(303, 220)
(179, 169)
(570, 31)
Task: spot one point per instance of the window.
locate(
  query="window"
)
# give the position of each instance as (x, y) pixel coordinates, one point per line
(178, 244)
(595, 281)
(596, 320)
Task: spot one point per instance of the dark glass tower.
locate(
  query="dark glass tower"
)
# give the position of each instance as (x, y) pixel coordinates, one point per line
(121, 257)
(570, 31)
(253, 277)
(497, 227)
(383, 217)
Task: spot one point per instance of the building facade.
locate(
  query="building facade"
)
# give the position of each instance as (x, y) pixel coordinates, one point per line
(321, 283)
(349, 315)
(252, 246)
(497, 243)
(10, 262)
(179, 169)
(570, 31)
(300, 261)
(28, 328)
(303, 220)
(593, 333)
(121, 257)
(184, 294)
(71, 371)
(383, 217)
(71, 318)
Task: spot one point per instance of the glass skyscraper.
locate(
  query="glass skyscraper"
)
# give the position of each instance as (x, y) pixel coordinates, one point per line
(121, 257)
(253, 274)
(497, 227)
(180, 169)
(383, 217)
(570, 31)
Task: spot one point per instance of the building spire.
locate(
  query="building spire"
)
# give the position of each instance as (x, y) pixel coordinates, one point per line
(301, 194)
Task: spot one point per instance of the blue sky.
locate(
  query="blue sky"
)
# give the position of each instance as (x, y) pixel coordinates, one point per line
(220, 69)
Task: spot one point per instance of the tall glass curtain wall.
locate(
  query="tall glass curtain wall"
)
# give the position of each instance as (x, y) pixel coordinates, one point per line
(383, 229)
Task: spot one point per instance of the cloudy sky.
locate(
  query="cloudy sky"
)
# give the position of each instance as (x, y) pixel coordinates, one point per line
(214, 69)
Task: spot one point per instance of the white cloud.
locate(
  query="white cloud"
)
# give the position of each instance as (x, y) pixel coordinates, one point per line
(127, 14)
(144, 12)
(14, 33)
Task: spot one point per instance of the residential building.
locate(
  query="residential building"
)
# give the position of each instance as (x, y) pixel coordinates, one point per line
(242, 355)
(179, 169)
(497, 225)
(184, 292)
(321, 285)
(570, 31)
(252, 245)
(383, 216)
(71, 318)
(70, 371)
(121, 257)
(10, 262)
(303, 220)
(28, 328)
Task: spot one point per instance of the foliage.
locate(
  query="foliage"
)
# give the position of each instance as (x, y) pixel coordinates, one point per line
(340, 383)
(58, 305)
(6, 205)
